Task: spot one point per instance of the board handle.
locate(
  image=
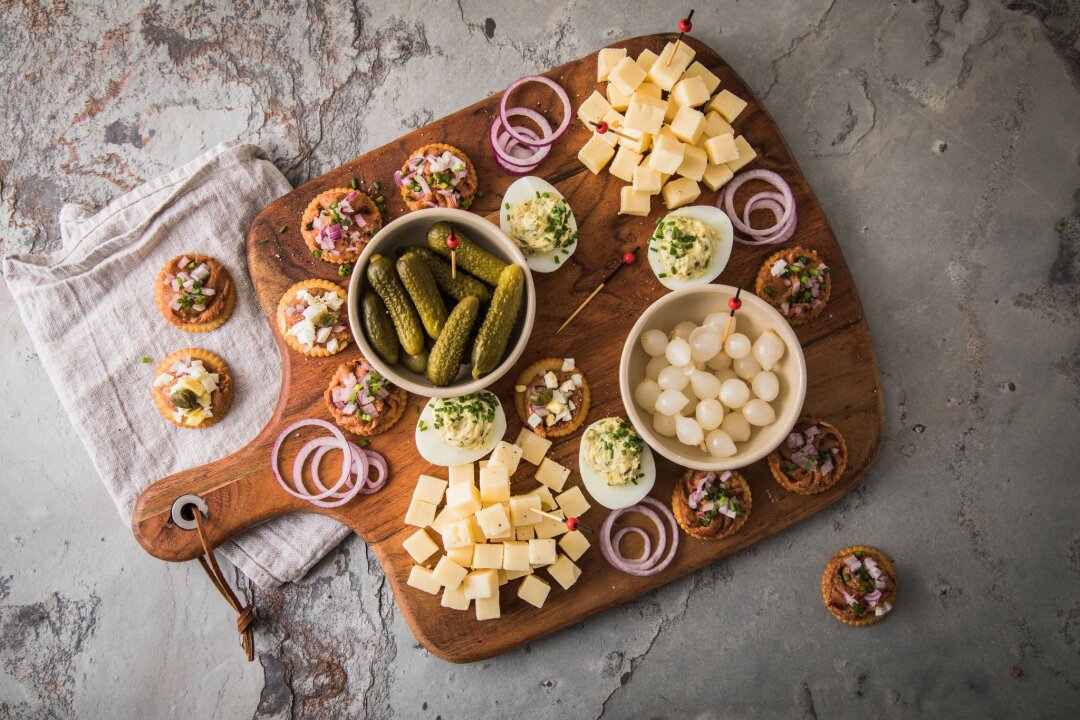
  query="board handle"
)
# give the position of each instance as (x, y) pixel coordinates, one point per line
(238, 494)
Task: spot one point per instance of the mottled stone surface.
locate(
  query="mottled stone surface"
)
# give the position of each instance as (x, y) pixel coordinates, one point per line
(943, 141)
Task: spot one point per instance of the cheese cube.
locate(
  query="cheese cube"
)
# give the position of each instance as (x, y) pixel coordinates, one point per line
(573, 502)
(727, 104)
(666, 135)
(721, 149)
(624, 163)
(494, 484)
(667, 154)
(716, 125)
(547, 502)
(646, 59)
(524, 532)
(420, 513)
(481, 584)
(694, 162)
(647, 88)
(698, 70)
(534, 591)
(679, 192)
(645, 113)
(440, 521)
(460, 533)
(614, 119)
(564, 571)
(646, 180)
(607, 59)
(420, 546)
(574, 544)
(548, 528)
(516, 556)
(533, 447)
(716, 176)
(463, 499)
(672, 111)
(670, 66)
(488, 608)
(626, 76)
(493, 521)
(541, 552)
(635, 140)
(502, 577)
(552, 474)
(461, 473)
(746, 154)
(421, 579)
(515, 574)
(429, 489)
(506, 455)
(688, 125)
(593, 108)
(461, 555)
(617, 98)
(487, 555)
(632, 202)
(521, 507)
(449, 573)
(455, 599)
(690, 92)
(595, 154)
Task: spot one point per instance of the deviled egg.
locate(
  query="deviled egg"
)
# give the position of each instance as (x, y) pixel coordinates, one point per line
(458, 430)
(538, 219)
(615, 463)
(691, 246)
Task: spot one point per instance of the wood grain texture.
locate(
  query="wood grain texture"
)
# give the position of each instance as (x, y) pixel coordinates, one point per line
(843, 376)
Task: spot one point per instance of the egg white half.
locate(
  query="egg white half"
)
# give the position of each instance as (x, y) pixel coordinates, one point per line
(439, 452)
(524, 189)
(614, 497)
(715, 218)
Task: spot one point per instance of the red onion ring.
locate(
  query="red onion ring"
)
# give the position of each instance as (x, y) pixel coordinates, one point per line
(377, 461)
(550, 137)
(782, 205)
(358, 464)
(354, 461)
(345, 465)
(649, 563)
(644, 539)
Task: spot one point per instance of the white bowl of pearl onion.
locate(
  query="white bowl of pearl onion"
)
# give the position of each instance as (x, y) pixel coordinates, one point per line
(707, 406)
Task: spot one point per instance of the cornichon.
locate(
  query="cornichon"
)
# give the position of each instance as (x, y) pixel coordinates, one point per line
(417, 363)
(421, 287)
(495, 331)
(444, 361)
(459, 287)
(378, 327)
(385, 281)
(472, 258)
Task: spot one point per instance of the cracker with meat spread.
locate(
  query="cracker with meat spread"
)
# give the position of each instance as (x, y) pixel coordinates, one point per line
(811, 459)
(711, 505)
(859, 586)
(552, 397)
(193, 388)
(362, 401)
(338, 224)
(437, 175)
(195, 293)
(796, 282)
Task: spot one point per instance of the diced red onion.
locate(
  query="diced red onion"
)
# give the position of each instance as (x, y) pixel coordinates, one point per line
(184, 262)
(503, 143)
(424, 187)
(852, 563)
(398, 180)
(827, 467)
(849, 599)
(208, 291)
(176, 284)
(201, 273)
(174, 304)
(652, 563)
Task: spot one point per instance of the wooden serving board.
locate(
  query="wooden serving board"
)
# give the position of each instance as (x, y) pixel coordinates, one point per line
(843, 376)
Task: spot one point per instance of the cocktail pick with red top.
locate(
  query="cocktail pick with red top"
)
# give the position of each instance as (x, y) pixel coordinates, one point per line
(452, 241)
(734, 303)
(685, 26)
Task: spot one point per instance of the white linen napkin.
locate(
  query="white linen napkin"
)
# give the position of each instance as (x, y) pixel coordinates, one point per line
(90, 312)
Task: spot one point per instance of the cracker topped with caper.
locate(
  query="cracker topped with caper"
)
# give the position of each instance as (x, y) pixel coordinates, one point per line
(193, 388)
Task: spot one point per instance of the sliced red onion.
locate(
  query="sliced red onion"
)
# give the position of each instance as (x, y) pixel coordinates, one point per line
(873, 598)
(651, 563)
(644, 539)
(301, 493)
(848, 598)
(549, 138)
(424, 187)
(782, 205)
(827, 467)
(377, 461)
(503, 142)
(398, 180)
(174, 304)
(176, 284)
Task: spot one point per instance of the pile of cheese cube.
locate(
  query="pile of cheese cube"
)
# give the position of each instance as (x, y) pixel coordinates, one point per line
(665, 137)
(490, 537)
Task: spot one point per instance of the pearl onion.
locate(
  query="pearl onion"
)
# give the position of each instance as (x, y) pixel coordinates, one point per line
(705, 385)
(678, 352)
(746, 367)
(725, 374)
(736, 427)
(720, 362)
(670, 402)
(683, 329)
(646, 393)
(709, 413)
(664, 424)
(737, 346)
(718, 321)
(768, 349)
(734, 393)
(654, 342)
(658, 363)
(704, 344)
(719, 444)
(765, 385)
(758, 412)
(672, 378)
(689, 431)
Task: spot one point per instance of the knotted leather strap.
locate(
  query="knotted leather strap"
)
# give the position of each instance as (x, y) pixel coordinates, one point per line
(246, 613)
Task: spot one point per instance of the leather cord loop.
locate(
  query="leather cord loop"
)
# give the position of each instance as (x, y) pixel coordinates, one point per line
(245, 613)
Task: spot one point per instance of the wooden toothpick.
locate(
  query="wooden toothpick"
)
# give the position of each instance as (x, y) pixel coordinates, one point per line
(627, 259)
(602, 127)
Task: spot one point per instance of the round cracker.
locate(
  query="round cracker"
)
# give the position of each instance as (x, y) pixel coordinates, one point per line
(288, 297)
(840, 461)
(162, 301)
(436, 149)
(211, 362)
(833, 565)
(766, 271)
(578, 416)
(677, 499)
(329, 196)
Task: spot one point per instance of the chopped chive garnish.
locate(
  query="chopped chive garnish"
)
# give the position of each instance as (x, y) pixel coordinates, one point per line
(283, 229)
(355, 184)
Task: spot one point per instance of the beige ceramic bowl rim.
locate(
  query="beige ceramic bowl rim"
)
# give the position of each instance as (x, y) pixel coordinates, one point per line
(479, 227)
(785, 419)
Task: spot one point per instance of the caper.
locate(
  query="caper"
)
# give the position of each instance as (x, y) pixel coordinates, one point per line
(325, 319)
(184, 398)
(541, 396)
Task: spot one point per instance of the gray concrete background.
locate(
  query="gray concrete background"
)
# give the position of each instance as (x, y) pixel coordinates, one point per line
(943, 141)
